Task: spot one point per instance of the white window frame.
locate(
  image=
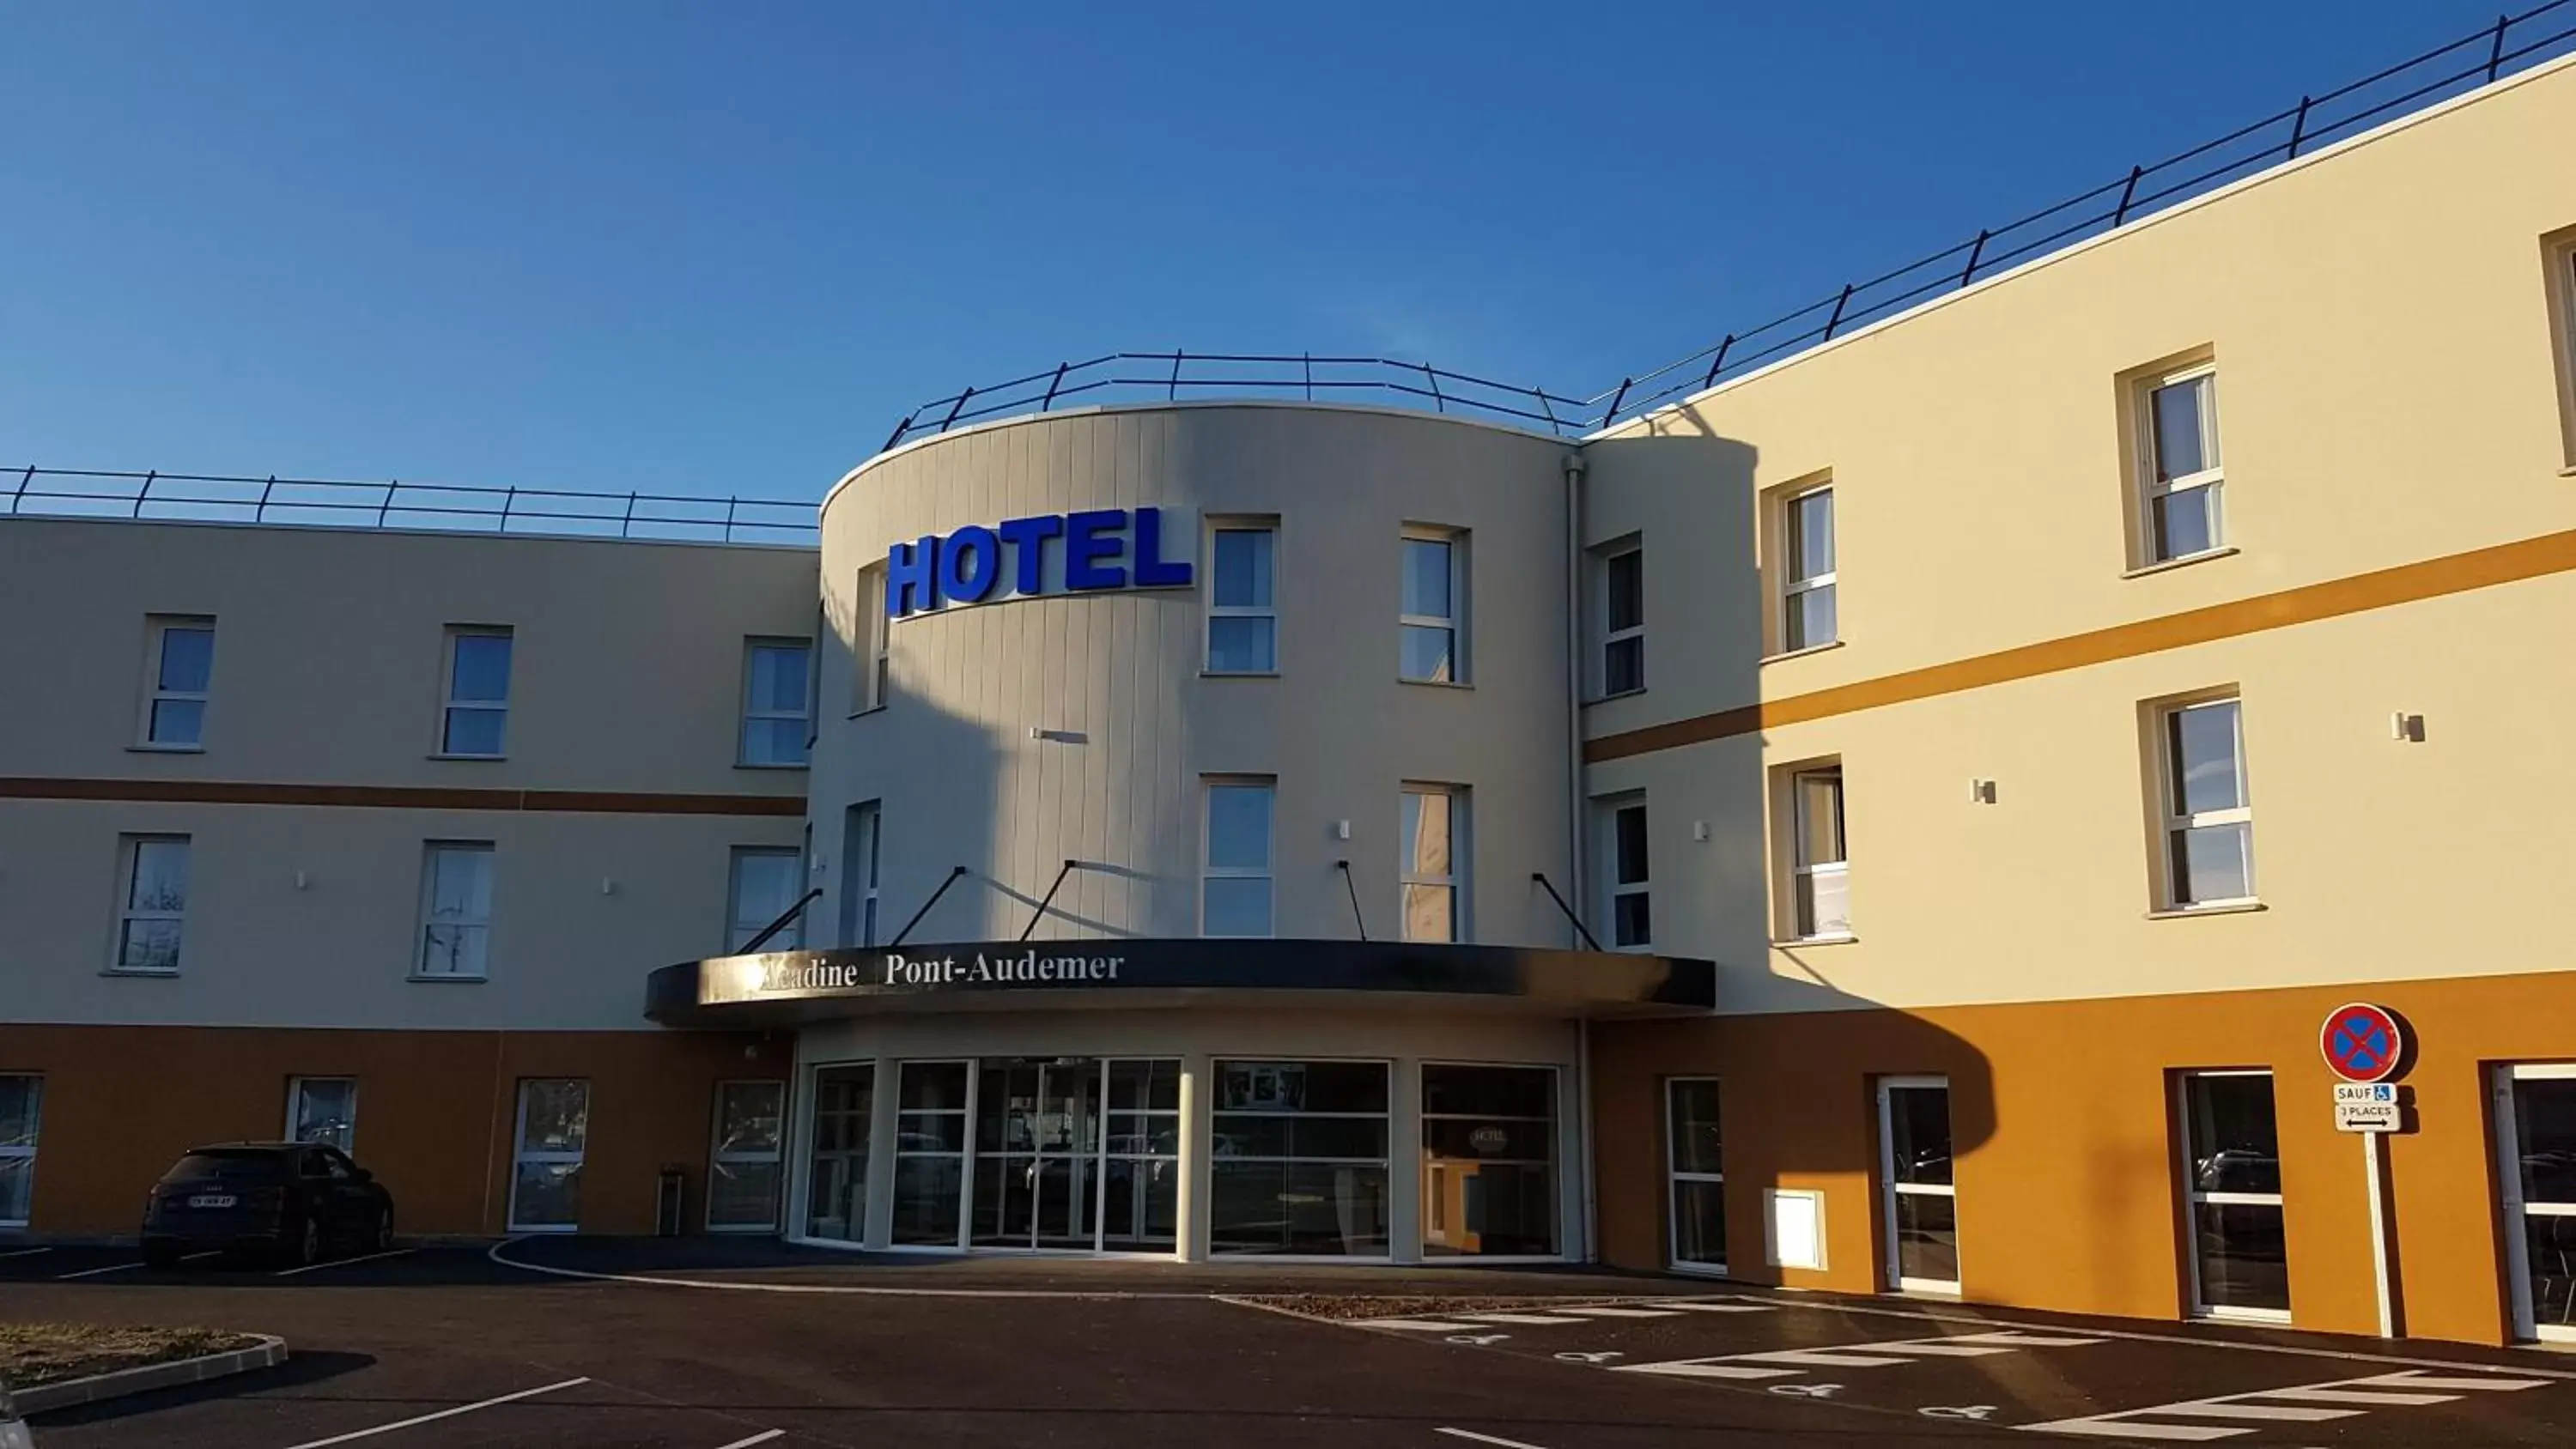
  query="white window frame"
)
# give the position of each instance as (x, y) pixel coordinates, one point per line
(129, 862)
(775, 1157)
(1455, 621)
(1674, 1177)
(2193, 1197)
(2175, 820)
(430, 851)
(1216, 611)
(2516, 1209)
(294, 1103)
(1610, 637)
(1609, 808)
(803, 714)
(1890, 1189)
(521, 1156)
(154, 695)
(862, 893)
(26, 1153)
(792, 938)
(1807, 872)
(2152, 487)
(1407, 874)
(1267, 873)
(875, 648)
(964, 1156)
(449, 704)
(1391, 1116)
(1792, 587)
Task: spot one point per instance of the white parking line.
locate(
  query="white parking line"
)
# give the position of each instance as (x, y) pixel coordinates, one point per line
(2408, 1388)
(754, 1439)
(137, 1263)
(1606, 1312)
(1789, 1362)
(445, 1414)
(1533, 1320)
(25, 1253)
(1483, 1438)
(345, 1262)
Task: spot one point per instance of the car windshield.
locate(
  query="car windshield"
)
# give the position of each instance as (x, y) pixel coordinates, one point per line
(246, 1164)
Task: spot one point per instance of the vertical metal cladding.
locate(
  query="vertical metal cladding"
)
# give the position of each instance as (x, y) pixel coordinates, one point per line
(1042, 585)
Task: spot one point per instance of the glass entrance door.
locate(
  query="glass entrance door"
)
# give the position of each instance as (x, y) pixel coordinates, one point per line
(1037, 1153)
(1921, 1197)
(2536, 1120)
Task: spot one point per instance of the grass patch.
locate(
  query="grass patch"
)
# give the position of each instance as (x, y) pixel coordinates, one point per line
(45, 1353)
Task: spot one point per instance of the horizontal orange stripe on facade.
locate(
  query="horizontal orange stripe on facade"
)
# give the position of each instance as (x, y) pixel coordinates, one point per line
(396, 797)
(2530, 558)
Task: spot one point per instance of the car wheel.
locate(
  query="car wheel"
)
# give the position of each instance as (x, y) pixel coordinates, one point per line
(384, 1230)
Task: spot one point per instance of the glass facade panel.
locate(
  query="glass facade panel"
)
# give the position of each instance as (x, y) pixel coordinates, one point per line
(1699, 1221)
(836, 1204)
(743, 1169)
(1927, 1237)
(1300, 1158)
(324, 1109)
(2244, 1256)
(22, 1102)
(1488, 1161)
(2233, 1162)
(930, 1152)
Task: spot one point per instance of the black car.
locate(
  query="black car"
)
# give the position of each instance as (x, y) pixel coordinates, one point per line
(296, 1200)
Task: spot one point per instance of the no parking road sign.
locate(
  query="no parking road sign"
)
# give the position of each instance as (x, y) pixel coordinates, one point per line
(2363, 1043)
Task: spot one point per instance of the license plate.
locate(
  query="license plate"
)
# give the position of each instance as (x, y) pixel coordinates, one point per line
(212, 1200)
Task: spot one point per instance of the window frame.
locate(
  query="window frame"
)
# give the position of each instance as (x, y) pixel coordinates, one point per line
(1792, 587)
(775, 1157)
(735, 935)
(26, 1153)
(2559, 279)
(129, 860)
(874, 649)
(1891, 1189)
(521, 1156)
(752, 645)
(859, 901)
(1608, 809)
(1390, 1115)
(1455, 621)
(2153, 487)
(1610, 638)
(1453, 880)
(1804, 873)
(2193, 1198)
(430, 852)
(155, 656)
(1249, 523)
(450, 704)
(2173, 820)
(1675, 1176)
(1268, 873)
(294, 1102)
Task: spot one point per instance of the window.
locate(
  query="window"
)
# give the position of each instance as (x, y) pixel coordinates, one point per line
(776, 725)
(1623, 869)
(2536, 1152)
(1243, 613)
(1807, 618)
(743, 1164)
(1433, 844)
(22, 1110)
(930, 1154)
(1695, 1162)
(1432, 646)
(455, 910)
(154, 903)
(2232, 1166)
(182, 674)
(860, 836)
(1920, 1200)
(2208, 823)
(1488, 1161)
(868, 682)
(1623, 621)
(1819, 872)
(2180, 478)
(477, 715)
(324, 1110)
(768, 882)
(836, 1176)
(554, 1130)
(1300, 1154)
(2561, 277)
(1235, 889)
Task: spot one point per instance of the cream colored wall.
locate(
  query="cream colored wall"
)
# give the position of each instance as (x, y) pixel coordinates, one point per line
(1132, 725)
(626, 677)
(2387, 394)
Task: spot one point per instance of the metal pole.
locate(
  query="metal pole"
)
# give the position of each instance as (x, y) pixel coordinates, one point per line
(1717, 364)
(2495, 53)
(16, 498)
(2299, 128)
(144, 492)
(385, 506)
(1974, 253)
(954, 871)
(1356, 918)
(753, 945)
(1836, 320)
(1047, 900)
(626, 525)
(1617, 398)
(955, 408)
(1310, 376)
(1438, 403)
(2374, 1161)
(508, 500)
(730, 505)
(1580, 928)
(1174, 392)
(1057, 382)
(2120, 213)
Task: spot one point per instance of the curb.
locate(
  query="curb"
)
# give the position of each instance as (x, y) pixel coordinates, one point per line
(269, 1352)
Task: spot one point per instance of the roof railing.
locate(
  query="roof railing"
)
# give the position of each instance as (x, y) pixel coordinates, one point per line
(446, 507)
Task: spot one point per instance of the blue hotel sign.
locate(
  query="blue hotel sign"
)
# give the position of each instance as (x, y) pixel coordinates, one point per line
(1091, 551)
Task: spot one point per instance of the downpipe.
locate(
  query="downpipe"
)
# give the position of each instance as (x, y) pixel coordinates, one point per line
(1574, 466)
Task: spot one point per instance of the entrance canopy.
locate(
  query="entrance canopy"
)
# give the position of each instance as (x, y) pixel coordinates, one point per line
(788, 988)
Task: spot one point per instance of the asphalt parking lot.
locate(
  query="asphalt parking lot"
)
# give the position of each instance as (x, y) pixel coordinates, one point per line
(694, 1344)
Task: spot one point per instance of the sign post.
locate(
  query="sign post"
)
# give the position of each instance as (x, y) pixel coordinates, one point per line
(2364, 1044)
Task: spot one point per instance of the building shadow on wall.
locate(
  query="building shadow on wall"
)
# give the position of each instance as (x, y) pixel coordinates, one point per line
(1825, 1098)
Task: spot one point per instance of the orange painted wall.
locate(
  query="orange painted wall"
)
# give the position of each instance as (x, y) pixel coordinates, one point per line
(436, 1112)
(2066, 1153)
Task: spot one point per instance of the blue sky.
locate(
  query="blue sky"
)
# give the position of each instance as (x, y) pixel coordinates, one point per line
(720, 249)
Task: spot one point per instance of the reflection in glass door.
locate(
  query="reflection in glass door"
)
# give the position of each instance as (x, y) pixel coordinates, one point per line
(2536, 1128)
(1046, 1175)
(836, 1180)
(2240, 1259)
(1919, 1198)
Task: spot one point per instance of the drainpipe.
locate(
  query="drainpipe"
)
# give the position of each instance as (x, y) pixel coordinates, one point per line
(1574, 464)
